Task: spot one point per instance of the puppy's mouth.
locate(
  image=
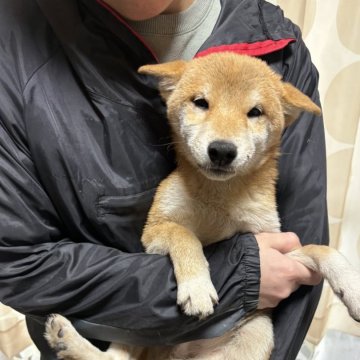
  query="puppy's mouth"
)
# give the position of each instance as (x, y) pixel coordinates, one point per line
(218, 172)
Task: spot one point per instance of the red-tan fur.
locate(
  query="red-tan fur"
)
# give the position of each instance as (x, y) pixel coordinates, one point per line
(196, 205)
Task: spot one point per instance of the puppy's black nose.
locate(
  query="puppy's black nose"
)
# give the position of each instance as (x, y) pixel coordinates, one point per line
(222, 153)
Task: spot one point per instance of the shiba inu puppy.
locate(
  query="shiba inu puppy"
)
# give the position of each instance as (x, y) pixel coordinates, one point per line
(227, 113)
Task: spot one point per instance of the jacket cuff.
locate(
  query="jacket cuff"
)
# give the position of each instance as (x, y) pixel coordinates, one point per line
(252, 272)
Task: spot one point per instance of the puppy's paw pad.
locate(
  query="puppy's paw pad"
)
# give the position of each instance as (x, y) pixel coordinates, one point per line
(61, 335)
(197, 297)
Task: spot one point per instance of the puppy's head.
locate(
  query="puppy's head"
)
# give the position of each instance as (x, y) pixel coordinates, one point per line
(227, 111)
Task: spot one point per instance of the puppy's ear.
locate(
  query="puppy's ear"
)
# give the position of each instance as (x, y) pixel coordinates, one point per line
(295, 102)
(167, 73)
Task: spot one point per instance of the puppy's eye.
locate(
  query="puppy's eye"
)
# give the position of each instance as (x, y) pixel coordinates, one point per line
(200, 103)
(254, 112)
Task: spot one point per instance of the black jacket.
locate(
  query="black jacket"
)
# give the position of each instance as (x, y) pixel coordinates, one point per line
(83, 145)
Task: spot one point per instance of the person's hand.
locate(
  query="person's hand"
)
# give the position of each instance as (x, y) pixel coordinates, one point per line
(280, 274)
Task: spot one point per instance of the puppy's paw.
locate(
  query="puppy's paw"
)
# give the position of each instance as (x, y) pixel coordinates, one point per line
(197, 296)
(349, 292)
(62, 337)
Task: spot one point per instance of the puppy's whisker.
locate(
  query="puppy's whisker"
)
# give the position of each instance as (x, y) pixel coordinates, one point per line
(169, 143)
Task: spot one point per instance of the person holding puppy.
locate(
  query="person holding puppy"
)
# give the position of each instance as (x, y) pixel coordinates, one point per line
(84, 144)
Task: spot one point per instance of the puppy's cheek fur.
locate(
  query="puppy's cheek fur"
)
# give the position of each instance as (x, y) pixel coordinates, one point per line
(193, 135)
(261, 138)
(251, 147)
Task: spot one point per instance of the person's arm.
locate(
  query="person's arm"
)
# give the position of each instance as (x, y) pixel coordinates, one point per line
(301, 197)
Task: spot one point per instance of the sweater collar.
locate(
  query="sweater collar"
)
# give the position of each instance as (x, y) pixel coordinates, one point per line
(252, 27)
(175, 24)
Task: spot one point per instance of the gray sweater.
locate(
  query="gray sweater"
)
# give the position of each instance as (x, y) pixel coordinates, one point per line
(180, 35)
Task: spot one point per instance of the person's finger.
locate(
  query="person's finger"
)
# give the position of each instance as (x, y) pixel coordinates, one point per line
(283, 242)
(305, 276)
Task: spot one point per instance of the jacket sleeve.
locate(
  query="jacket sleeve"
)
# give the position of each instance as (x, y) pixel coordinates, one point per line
(111, 295)
(301, 197)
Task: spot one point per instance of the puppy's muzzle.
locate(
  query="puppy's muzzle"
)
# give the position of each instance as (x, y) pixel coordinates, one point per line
(222, 153)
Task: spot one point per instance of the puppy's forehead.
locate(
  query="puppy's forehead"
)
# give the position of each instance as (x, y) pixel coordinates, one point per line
(228, 69)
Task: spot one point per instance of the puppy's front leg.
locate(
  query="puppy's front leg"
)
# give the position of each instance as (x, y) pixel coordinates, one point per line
(196, 293)
(344, 280)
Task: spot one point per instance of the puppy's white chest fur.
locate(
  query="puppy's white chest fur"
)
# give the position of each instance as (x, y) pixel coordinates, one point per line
(214, 213)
